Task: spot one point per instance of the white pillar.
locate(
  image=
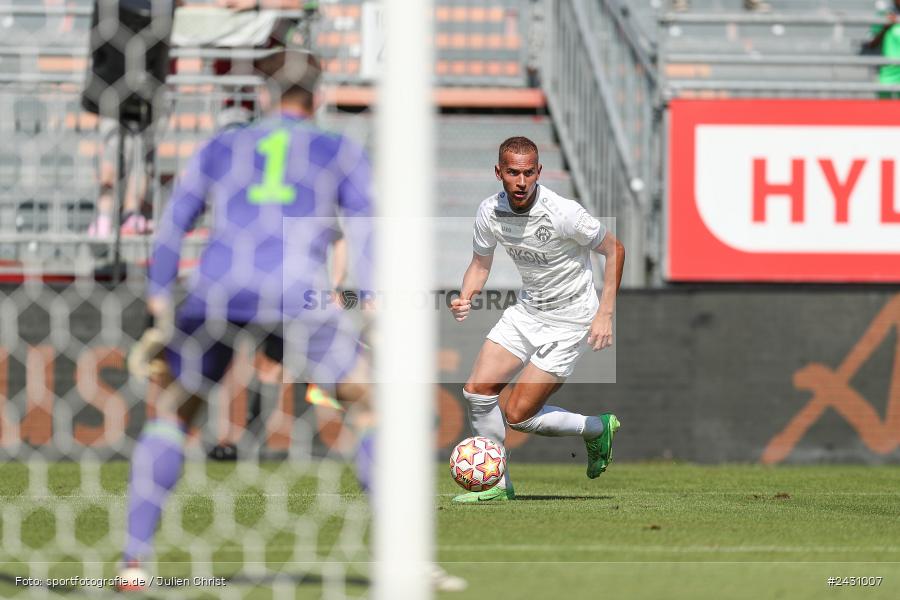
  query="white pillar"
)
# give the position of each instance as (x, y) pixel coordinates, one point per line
(406, 325)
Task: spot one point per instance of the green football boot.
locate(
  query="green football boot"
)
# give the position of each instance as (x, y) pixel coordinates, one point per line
(599, 449)
(495, 494)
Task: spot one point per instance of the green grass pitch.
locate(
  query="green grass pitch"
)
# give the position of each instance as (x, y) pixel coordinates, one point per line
(639, 531)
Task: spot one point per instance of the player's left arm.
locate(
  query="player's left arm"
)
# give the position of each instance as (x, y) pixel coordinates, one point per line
(338, 273)
(601, 333)
(356, 209)
(338, 262)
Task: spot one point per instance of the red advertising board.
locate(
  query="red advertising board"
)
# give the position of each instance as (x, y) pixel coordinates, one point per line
(784, 190)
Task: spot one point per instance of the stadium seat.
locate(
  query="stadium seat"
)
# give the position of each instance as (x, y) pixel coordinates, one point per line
(29, 115)
(79, 215)
(10, 165)
(32, 216)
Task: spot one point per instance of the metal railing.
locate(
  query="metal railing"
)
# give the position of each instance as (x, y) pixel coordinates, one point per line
(601, 89)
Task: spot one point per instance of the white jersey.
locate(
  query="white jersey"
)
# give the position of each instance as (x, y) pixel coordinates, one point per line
(550, 245)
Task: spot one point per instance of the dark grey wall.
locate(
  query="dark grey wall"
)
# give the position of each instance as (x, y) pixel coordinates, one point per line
(702, 374)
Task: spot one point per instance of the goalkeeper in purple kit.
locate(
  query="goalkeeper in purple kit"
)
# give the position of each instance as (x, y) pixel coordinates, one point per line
(275, 189)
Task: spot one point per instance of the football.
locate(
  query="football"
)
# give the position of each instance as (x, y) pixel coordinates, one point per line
(477, 463)
(132, 579)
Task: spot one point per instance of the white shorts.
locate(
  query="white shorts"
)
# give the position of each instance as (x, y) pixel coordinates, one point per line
(551, 348)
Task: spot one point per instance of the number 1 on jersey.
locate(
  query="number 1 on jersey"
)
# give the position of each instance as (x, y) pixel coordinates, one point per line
(273, 190)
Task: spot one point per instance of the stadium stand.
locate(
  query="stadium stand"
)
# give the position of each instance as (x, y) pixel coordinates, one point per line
(642, 55)
(49, 184)
(466, 152)
(617, 64)
(801, 41)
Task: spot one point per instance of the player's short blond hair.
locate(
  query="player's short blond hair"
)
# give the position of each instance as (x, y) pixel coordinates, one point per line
(517, 145)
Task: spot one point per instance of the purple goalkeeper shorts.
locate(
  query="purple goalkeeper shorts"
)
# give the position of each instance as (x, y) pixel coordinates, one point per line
(321, 352)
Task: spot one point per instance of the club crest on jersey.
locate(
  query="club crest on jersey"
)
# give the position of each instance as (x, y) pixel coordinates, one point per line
(543, 234)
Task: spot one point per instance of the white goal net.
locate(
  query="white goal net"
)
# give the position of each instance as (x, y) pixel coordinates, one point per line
(269, 502)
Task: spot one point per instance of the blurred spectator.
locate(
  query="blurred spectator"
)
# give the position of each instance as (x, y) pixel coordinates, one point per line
(137, 171)
(886, 42)
(751, 5)
(536, 32)
(138, 160)
(238, 110)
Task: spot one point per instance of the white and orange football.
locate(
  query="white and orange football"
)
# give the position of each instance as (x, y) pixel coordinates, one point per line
(477, 463)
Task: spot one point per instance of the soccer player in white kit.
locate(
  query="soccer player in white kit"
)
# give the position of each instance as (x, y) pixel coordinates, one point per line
(556, 319)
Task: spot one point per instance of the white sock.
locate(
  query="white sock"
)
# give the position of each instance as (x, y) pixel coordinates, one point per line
(593, 427)
(486, 420)
(552, 421)
(485, 417)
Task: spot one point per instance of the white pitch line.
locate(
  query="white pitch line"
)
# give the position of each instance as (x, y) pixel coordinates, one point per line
(606, 496)
(624, 548)
(613, 494)
(632, 547)
(617, 547)
(177, 495)
(664, 549)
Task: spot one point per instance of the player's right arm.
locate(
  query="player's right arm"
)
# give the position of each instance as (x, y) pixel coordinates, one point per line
(473, 282)
(187, 202)
(483, 244)
(185, 205)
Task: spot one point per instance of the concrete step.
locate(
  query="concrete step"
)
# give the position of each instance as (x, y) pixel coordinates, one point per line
(485, 157)
(460, 194)
(454, 130)
(644, 12)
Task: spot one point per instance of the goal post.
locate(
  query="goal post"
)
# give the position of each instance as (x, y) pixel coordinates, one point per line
(405, 357)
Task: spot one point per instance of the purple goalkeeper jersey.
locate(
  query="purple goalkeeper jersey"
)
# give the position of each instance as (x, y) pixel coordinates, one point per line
(275, 189)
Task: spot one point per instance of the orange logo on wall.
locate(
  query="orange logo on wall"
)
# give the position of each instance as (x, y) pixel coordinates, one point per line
(34, 426)
(831, 388)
